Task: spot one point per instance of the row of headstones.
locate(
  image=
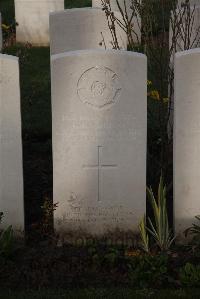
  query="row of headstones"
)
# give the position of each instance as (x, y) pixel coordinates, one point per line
(99, 141)
(99, 110)
(33, 21)
(33, 24)
(32, 18)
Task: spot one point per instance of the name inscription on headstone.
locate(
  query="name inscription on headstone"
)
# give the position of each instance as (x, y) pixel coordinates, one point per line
(117, 215)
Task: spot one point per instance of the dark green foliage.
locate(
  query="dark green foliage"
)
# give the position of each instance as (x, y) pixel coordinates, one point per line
(77, 3)
(35, 90)
(48, 266)
(145, 270)
(159, 227)
(194, 231)
(190, 275)
(8, 11)
(102, 293)
(7, 242)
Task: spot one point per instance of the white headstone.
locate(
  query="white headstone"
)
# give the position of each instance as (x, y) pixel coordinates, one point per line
(99, 111)
(1, 38)
(11, 177)
(186, 39)
(186, 138)
(80, 29)
(32, 17)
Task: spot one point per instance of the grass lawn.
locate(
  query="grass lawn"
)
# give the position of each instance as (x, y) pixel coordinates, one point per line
(103, 294)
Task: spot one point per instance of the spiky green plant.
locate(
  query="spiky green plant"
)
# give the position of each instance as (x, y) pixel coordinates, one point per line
(144, 235)
(6, 241)
(159, 228)
(194, 230)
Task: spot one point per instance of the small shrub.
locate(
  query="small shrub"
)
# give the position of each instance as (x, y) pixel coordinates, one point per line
(6, 242)
(145, 270)
(8, 34)
(144, 235)
(190, 275)
(194, 231)
(159, 228)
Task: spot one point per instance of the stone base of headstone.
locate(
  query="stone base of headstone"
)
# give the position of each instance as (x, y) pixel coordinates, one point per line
(112, 238)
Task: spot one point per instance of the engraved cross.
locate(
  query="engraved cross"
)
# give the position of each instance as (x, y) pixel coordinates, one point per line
(99, 166)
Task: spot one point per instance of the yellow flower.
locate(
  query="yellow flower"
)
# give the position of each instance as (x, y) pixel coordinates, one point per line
(149, 83)
(4, 26)
(166, 100)
(154, 94)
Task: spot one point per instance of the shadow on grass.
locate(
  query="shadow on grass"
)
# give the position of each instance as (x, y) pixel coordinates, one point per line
(103, 294)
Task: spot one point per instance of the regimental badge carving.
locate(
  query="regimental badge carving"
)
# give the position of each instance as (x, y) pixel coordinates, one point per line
(99, 87)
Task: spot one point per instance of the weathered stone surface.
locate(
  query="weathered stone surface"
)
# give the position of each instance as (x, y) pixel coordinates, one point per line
(99, 112)
(80, 29)
(32, 17)
(11, 177)
(186, 138)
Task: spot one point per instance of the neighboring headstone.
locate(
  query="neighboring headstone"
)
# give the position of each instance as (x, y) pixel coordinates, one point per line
(186, 138)
(186, 37)
(136, 23)
(32, 17)
(11, 176)
(99, 110)
(80, 29)
(1, 37)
